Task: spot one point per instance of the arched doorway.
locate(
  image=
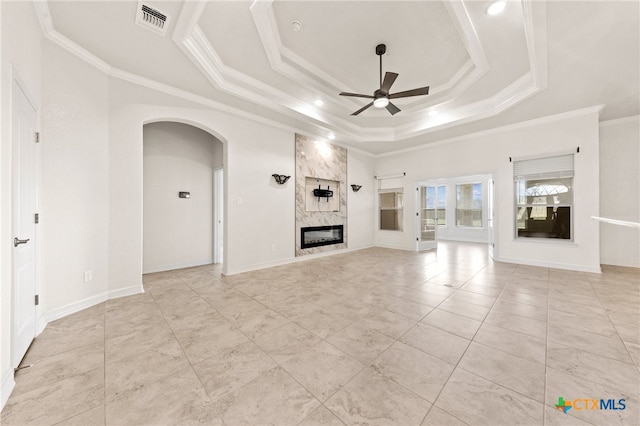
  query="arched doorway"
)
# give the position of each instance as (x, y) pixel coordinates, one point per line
(182, 196)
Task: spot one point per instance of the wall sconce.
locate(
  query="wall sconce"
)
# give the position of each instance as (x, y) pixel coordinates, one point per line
(280, 179)
(184, 194)
(356, 188)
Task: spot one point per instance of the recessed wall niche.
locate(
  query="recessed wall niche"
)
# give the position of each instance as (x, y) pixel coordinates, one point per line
(321, 168)
(322, 195)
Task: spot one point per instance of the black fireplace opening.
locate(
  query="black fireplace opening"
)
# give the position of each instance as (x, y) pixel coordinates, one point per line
(316, 236)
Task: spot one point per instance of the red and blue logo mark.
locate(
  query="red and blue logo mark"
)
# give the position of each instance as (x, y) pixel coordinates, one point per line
(580, 404)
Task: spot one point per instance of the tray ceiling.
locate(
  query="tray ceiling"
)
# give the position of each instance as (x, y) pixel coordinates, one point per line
(275, 59)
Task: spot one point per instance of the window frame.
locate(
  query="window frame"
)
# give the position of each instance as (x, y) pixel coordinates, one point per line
(398, 209)
(541, 175)
(482, 207)
(443, 209)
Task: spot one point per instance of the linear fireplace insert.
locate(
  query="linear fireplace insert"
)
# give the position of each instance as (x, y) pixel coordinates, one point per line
(315, 236)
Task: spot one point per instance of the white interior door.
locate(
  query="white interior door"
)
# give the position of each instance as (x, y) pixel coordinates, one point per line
(24, 228)
(427, 215)
(491, 233)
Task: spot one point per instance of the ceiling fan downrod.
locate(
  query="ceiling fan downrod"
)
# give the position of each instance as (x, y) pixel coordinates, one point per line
(381, 49)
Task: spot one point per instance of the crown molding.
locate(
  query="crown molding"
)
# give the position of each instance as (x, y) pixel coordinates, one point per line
(280, 57)
(198, 49)
(46, 24)
(632, 119)
(536, 40)
(193, 42)
(497, 130)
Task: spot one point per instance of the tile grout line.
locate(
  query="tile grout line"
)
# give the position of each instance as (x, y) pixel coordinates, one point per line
(614, 325)
(277, 364)
(435, 400)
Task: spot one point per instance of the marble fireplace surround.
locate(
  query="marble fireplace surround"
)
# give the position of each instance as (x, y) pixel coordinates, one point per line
(319, 161)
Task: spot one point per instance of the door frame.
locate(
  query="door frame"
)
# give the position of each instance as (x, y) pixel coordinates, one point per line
(218, 215)
(492, 219)
(19, 84)
(424, 245)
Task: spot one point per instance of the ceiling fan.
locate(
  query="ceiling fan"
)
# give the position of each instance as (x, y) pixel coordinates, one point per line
(382, 96)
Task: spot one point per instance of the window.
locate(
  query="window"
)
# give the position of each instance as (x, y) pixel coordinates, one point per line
(544, 197)
(469, 205)
(435, 204)
(391, 209)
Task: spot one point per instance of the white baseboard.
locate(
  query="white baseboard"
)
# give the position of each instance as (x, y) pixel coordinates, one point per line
(171, 267)
(80, 305)
(390, 246)
(126, 291)
(289, 260)
(74, 307)
(481, 240)
(553, 265)
(6, 386)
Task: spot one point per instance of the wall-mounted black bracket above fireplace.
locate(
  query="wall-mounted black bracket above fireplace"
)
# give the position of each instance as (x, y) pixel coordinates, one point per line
(322, 193)
(315, 236)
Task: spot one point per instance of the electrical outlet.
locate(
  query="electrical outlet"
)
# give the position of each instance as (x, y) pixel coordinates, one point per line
(88, 276)
(273, 247)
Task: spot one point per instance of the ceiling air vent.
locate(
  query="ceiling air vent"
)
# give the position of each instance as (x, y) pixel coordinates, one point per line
(152, 19)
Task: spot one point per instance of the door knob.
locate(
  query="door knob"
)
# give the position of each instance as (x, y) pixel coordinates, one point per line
(17, 242)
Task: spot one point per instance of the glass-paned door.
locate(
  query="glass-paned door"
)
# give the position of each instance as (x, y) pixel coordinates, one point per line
(427, 217)
(491, 234)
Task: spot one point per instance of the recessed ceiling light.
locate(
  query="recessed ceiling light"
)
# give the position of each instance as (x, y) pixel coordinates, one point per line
(296, 25)
(318, 102)
(332, 136)
(496, 7)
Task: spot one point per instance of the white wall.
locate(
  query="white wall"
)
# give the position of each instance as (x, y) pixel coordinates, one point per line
(488, 153)
(259, 214)
(620, 190)
(178, 232)
(75, 148)
(360, 212)
(21, 55)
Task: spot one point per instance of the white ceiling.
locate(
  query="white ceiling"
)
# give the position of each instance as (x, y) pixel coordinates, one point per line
(535, 59)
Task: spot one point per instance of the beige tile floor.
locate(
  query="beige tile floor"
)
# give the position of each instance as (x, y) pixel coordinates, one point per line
(376, 336)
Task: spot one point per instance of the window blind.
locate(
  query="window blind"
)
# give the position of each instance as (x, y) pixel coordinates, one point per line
(545, 167)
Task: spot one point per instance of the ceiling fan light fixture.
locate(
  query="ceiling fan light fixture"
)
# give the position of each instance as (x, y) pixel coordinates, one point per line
(496, 7)
(381, 97)
(381, 102)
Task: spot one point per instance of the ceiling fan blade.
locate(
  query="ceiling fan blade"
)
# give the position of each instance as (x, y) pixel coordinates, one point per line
(363, 108)
(392, 109)
(407, 93)
(389, 78)
(357, 95)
